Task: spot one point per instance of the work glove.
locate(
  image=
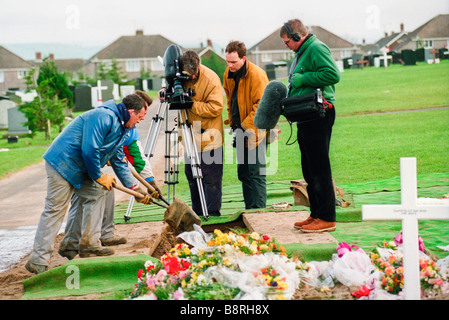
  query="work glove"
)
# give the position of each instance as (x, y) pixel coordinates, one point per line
(147, 199)
(297, 80)
(157, 193)
(107, 181)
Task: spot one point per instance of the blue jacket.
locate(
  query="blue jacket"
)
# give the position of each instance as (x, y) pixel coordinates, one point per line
(89, 142)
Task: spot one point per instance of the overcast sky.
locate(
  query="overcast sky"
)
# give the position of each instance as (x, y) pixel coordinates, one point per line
(189, 22)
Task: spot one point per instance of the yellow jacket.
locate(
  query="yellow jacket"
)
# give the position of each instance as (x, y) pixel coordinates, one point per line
(251, 88)
(205, 114)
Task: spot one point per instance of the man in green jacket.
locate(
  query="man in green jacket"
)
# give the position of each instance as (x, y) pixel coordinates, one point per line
(313, 67)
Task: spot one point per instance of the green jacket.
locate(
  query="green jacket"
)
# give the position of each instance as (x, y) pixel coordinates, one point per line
(316, 69)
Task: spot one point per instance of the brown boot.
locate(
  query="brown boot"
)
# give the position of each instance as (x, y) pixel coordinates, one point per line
(319, 226)
(98, 251)
(300, 224)
(113, 241)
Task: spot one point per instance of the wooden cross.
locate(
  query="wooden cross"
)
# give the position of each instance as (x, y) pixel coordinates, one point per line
(99, 89)
(434, 52)
(409, 212)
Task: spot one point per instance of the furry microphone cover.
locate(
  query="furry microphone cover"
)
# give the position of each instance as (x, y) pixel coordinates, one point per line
(270, 108)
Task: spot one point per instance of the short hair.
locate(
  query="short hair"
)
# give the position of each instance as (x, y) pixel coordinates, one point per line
(145, 97)
(190, 61)
(134, 102)
(297, 27)
(236, 46)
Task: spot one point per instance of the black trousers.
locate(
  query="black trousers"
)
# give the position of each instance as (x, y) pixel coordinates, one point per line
(314, 140)
(251, 171)
(212, 169)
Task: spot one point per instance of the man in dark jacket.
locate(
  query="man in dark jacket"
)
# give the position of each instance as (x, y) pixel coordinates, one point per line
(313, 67)
(73, 164)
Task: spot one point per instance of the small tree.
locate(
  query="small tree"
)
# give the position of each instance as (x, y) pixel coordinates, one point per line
(53, 97)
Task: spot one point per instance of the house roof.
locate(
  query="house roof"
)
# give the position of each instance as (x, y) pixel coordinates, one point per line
(437, 27)
(9, 60)
(274, 41)
(137, 46)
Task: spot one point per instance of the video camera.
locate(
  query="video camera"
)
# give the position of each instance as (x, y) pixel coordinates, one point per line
(175, 94)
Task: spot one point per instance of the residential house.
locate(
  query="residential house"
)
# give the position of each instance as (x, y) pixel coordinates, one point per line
(389, 43)
(271, 49)
(133, 55)
(68, 66)
(211, 58)
(13, 69)
(432, 34)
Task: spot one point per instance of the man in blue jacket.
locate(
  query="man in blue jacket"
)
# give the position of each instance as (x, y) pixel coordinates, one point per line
(73, 164)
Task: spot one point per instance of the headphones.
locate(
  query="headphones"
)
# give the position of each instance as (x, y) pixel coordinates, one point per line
(294, 36)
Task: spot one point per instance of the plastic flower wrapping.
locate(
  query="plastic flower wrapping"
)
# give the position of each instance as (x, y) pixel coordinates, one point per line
(233, 265)
(219, 266)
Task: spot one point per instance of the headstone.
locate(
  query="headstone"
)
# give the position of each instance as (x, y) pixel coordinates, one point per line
(409, 57)
(356, 57)
(102, 92)
(155, 84)
(443, 53)
(5, 105)
(126, 90)
(340, 66)
(16, 120)
(27, 96)
(432, 56)
(116, 92)
(83, 97)
(409, 211)
(420, 56)
(384, 57)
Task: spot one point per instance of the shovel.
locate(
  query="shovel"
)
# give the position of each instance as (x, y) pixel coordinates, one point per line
(137, 194)
(178, 215)
(146, 184)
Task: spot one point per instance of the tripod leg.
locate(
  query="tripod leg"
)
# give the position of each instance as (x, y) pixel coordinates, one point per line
(171, 161)
(192, 154)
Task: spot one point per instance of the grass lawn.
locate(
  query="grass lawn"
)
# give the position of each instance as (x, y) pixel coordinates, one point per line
(363, 148)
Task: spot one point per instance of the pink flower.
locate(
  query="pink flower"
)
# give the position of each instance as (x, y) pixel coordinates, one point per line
(343, 248)
(398, 240)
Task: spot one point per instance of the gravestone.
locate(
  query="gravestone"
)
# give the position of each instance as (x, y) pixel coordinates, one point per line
(83, 98)
(102, 92)
(409, 211)
(156, 84)
(16, 120)
(431, 56)
(126, 90)
(409, 57)
(5, 105)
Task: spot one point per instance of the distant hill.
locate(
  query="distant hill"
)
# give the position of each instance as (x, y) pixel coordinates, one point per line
(61, 51)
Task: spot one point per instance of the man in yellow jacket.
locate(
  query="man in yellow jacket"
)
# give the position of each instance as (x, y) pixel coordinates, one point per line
(244, 84)
(205, 116)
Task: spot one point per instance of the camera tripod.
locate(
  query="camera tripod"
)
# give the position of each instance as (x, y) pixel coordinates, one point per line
(171, 170)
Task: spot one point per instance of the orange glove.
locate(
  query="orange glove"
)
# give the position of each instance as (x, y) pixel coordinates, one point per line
(107, 181)
(147, 199)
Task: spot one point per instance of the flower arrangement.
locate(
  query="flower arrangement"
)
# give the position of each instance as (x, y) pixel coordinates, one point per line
(392, 269)
(183, 274)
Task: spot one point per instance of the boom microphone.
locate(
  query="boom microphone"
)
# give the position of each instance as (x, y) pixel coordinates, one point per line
(270, 107)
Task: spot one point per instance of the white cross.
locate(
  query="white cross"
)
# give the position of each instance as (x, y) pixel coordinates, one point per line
(385, 57)
(409, 211)
(99, 89)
